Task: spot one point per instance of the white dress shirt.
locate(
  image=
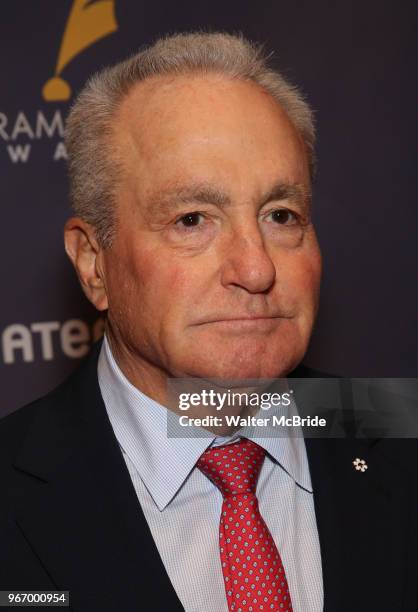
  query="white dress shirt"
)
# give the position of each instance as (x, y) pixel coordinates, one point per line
(182, 506)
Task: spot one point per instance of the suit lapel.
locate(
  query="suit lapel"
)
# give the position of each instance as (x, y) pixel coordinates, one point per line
(363, 522)
(79, 510)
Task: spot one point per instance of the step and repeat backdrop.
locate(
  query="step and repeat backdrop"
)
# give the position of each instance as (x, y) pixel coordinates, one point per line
(356, 63)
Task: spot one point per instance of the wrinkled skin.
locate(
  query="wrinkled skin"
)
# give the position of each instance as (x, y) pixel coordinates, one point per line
(214, 269)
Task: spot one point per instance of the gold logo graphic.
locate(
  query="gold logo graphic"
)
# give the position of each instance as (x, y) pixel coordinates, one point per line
(87, 23)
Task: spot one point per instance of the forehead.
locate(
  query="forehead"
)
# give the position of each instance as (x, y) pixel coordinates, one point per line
(200, 125)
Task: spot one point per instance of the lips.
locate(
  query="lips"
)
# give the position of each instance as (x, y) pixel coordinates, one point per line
(241, 317)
(244, 325)
(243, 320)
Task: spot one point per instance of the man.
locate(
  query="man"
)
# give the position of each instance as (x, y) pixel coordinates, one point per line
(191, 167)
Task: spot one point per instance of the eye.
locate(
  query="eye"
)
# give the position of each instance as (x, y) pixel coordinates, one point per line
(283, 216)
(192, 219)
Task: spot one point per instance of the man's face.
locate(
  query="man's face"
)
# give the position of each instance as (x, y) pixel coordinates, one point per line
(215, 267)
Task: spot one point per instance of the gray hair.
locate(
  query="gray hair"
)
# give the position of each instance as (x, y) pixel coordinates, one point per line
(94, 171)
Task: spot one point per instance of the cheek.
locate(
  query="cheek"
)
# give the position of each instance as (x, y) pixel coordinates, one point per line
(308, 277)
(166, 283)
(298, 280)
(308, 285)
(162, 287)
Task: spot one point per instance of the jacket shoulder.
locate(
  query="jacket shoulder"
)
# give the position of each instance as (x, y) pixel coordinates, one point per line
(15, 426)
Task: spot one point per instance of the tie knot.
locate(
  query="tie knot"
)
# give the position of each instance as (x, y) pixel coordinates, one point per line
(233, 468)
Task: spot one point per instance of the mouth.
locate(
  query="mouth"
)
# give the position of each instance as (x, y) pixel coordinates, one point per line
(246, 322)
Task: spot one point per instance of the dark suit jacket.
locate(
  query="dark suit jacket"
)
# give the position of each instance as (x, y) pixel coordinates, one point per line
(70, 518)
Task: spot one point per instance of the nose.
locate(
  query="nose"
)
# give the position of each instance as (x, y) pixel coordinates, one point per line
(247, 263)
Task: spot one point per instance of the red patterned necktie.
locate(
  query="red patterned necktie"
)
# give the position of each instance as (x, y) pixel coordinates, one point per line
(253, 570)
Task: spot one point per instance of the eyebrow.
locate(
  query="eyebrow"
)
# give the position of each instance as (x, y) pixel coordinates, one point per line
(203, 193)
(296, 192)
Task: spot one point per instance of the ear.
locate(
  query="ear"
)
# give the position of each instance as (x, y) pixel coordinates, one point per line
(86, 255)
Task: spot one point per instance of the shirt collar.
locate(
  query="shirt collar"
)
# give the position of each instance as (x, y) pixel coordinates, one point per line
(140, 426)
(290, 453)
(164, 463)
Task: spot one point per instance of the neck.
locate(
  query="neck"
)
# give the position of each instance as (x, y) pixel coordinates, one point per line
(142, 374)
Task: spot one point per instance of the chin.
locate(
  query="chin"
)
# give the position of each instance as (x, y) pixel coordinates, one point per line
(244, 364)
(228, 355)
(241, 371)
(278, 369)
